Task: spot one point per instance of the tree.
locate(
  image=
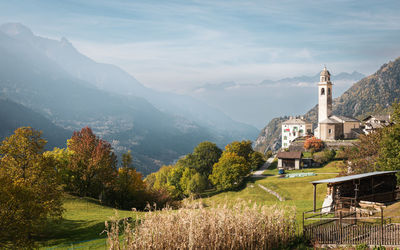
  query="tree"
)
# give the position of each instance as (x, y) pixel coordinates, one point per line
(229, 171)
(61, 157)
(245, 150)
(29, 189)
(313, 144)
(127, 160)
(362, 158)
(128, 190)
(92, 163)
(204, 156)
(389, 145)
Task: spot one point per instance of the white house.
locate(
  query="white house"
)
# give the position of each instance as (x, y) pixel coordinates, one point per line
(293, 128)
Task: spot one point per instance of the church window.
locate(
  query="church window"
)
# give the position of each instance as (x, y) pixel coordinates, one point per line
(329, 91)
(323, 91)
(330, 131)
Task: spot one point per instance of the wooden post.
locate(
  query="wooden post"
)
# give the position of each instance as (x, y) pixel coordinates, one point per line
(381, 226)
(340, 225)
(315, 197)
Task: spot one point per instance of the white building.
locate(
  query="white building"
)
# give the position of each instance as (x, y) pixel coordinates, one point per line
(374, 122)
(293, 128)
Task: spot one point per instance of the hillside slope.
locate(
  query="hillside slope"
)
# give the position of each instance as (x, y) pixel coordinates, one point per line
(371, 94)
(30, 78)
(13, 116)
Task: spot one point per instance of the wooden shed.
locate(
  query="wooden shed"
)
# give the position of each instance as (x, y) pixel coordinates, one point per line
(289, 160)
(347, 191)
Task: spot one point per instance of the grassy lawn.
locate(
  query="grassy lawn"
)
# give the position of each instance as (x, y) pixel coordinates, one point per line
(82, 225)
(298, 192)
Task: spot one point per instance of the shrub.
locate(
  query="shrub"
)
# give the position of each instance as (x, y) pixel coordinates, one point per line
(195, 227)
(313, 143)
(324, 156)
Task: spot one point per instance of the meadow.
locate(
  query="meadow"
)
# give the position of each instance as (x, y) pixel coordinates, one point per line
(81, 226)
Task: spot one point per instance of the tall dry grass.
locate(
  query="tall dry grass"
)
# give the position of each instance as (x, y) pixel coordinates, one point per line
(242, 226)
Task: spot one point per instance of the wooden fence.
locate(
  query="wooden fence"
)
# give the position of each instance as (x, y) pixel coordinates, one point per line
(354, 234)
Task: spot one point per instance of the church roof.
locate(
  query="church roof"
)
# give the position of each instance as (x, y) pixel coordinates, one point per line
(330, 121)
(341, 118)
(325, 72)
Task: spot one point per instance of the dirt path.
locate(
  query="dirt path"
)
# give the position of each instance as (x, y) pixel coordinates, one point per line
(280, 198)
(261, 170)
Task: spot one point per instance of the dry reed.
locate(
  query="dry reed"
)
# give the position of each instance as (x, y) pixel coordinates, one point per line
(242, 226)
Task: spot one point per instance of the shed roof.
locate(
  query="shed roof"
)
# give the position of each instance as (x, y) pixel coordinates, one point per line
(289, 155)
(352, 177)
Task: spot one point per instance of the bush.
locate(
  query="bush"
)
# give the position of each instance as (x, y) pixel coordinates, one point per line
(313, 144)
(196, 227)
(324, 156)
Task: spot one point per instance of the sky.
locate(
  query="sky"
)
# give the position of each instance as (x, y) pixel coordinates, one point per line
(179, 45)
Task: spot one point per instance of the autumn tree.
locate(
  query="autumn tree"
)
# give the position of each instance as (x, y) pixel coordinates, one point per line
(362, 158)
(128, 190)
(29, 190)
(313, 144)
(389, 145)
(230, 171)
(245, 150)
(127, 160)
(92, 163)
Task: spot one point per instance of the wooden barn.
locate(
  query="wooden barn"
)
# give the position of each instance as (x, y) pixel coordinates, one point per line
(346, 192)
(289, 160)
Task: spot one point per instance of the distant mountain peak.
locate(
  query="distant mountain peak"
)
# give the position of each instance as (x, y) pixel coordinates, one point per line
(16, 29)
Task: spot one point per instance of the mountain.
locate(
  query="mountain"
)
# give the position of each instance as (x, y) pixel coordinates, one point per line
(112, 79)
(32, 76)
(13, 116)
(269, 98)
(371, 94)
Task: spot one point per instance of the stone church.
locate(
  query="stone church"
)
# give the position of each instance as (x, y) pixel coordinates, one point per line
(332, 127)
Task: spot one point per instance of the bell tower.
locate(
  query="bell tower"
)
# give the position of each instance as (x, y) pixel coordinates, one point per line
(324, 95)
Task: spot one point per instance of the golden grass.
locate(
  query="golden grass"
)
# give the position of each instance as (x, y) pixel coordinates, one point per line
(243, 226)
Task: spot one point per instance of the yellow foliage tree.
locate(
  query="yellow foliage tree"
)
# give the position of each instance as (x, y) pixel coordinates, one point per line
(29, 189)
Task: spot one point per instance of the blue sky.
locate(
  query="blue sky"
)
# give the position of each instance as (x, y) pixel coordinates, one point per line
(177, 45)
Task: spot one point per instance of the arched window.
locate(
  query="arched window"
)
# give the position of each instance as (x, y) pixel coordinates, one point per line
(323, 91)
(329, 91)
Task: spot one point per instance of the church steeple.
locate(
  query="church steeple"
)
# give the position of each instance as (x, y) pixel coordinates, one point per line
(324, 95)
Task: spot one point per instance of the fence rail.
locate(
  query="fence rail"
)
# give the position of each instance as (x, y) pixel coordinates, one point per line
(354, 234)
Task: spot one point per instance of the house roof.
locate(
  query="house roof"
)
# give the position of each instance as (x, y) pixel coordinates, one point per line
(352, 177)
(289, 155)
(378, 117)
(296, 121)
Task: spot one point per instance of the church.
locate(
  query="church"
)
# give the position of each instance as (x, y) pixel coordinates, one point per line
(332, 127)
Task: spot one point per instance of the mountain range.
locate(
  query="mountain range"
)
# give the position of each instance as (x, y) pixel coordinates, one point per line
(258, 103)
(52, 79)
(372, 94)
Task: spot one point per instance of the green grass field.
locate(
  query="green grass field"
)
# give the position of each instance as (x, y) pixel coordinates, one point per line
(298, 192)
(81, 226)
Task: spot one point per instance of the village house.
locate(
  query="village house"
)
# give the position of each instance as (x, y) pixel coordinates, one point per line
(294, 128)
(374, 122)
(332, 127)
